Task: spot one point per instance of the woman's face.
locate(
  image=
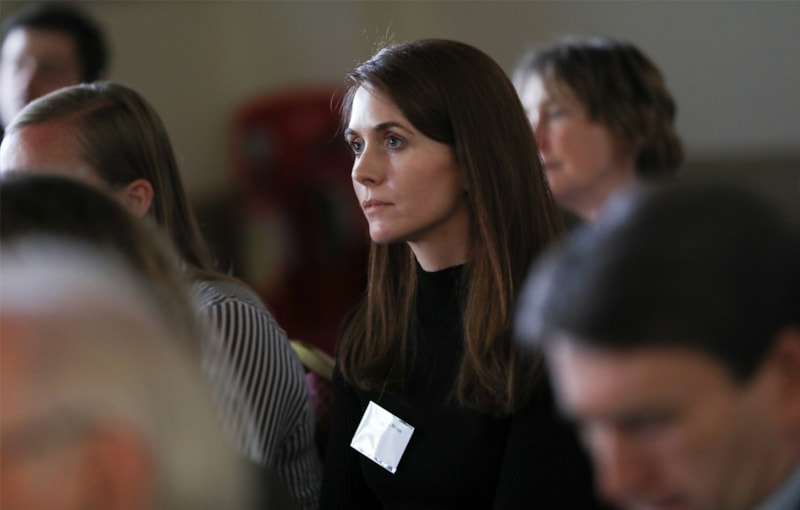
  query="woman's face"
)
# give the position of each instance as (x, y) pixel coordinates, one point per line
(583, 160)
(408, 185)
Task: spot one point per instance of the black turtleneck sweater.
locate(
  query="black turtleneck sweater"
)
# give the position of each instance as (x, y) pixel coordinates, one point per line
(457, 458)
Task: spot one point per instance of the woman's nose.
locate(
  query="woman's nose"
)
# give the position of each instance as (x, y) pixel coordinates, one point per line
(367, 169)
(539, 134)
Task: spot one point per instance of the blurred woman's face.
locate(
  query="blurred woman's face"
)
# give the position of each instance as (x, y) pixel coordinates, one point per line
(583, 160)
(408, 185)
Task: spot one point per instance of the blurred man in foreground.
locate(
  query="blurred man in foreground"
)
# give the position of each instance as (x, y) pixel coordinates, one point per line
(672, 332)
(101, 406)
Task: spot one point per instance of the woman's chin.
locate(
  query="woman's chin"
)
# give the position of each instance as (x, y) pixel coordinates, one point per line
(383, 238)
(382, 233)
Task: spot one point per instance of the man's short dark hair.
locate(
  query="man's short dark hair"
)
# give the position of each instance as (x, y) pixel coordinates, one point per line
(64, 18)
(707, 265)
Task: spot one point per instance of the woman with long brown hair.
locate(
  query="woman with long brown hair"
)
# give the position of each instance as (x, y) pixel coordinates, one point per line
(434, 406)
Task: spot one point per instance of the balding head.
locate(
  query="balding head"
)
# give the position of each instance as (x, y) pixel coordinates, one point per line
(101, 405)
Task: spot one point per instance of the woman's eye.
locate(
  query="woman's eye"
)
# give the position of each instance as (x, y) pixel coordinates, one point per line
(393, 142)
(357, 146)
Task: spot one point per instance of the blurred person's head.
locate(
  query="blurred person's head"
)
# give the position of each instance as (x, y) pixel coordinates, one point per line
(99, 406)
(672, 330)
(108, 135)
(45, 47)
(35, 205)
(602, 117)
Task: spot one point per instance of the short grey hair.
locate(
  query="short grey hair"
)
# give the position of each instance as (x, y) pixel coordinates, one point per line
(100, 351)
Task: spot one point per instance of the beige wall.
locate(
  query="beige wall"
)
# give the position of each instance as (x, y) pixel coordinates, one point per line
(731, 65)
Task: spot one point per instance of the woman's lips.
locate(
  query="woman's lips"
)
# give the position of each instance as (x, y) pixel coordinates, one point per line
(373, 205)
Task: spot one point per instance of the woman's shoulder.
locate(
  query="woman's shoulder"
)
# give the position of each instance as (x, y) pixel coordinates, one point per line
(208, 292)
(232, 298)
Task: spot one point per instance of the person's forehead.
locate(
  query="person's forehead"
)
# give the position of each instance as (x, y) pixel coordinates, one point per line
(48, 147)
(371, 106)
(599, 378)
(543, 89)
(47, 144)
(39, 43)
(570, 351)
(533, 89)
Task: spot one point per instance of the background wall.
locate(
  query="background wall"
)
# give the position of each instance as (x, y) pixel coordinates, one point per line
(731, 65)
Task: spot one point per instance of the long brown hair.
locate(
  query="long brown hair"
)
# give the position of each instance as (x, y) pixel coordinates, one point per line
(456, 94)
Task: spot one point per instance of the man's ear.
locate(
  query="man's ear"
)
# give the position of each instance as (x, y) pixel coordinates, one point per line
(137, 197)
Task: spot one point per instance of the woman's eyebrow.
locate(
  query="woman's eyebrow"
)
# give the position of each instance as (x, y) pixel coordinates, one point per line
(383, 126)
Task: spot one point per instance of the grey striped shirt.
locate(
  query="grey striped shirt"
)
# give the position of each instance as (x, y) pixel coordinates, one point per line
(260, 385)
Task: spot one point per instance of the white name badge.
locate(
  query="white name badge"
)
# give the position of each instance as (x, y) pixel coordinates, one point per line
(382, 437)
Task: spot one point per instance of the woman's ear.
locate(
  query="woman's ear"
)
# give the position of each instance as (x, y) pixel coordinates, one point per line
(137, 197)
